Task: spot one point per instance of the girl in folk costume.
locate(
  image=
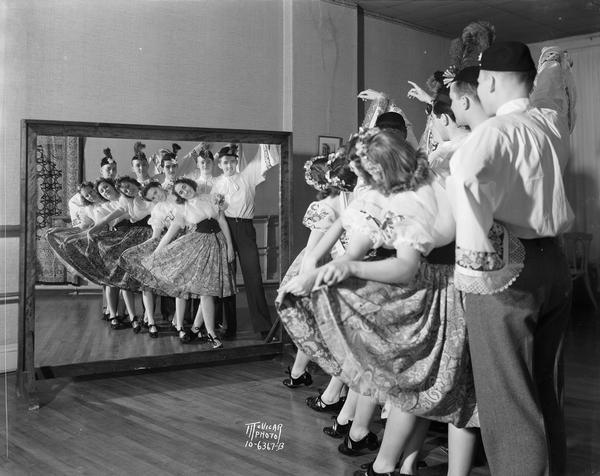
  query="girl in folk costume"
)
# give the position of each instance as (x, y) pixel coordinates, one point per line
(77, 204)
(129, 219)
(131, 230)
(197, 263)
(405, 342)
(164, 210)
(73, 246)
(80, 203)
(203, 174)
(332, 178)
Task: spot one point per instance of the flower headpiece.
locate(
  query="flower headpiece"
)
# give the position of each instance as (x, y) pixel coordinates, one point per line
(308, 175)
(336, 181)
(365, 136)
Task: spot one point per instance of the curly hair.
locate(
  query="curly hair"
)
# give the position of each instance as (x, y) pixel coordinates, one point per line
(149, 186)
(80, 187)
(189, 182)
(126, 179)
(402, 167)
(108, 181)
(169, 156)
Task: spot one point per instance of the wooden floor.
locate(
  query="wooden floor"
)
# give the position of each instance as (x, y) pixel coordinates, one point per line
(193, 422)
(69, 330)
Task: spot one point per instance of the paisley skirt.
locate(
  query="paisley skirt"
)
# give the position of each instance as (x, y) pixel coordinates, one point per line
(81, 256)
(131, 261)
(111, 245)
(191, 266)
(98, 259)
(404, 343)
(300, 323)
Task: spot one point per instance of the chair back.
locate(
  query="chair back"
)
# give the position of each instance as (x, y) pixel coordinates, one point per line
(576, 246)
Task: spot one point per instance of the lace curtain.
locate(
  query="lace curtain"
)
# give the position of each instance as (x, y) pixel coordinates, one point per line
(59, 169)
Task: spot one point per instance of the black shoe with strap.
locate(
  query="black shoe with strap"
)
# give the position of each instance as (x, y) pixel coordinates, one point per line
(367, 470)
(337, 430)
(153, 331)
(318, 405)
(136, 326)
(185, 336)
(354, 448)
(214, 341)
(304, 379)
(115, 322)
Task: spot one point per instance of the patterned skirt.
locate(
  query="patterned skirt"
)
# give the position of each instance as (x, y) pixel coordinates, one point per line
(191, 266)
(80, 255)
(111, 245)
(98, 259)
(131, 262)
(298, 318)
(405, 343)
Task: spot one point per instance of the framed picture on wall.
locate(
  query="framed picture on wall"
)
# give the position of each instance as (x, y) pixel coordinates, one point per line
(328, 144)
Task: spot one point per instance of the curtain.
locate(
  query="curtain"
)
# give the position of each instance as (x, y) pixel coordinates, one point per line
(582, 178)
(59, 169)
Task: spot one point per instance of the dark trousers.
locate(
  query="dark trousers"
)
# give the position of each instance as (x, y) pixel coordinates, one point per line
(515, 337)
(243, 236)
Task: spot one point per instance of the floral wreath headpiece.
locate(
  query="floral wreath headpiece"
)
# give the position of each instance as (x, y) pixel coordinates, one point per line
(365, 136)
(335, 181)
(308, 177)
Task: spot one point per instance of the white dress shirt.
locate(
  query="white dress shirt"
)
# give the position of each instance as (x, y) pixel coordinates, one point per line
(239, 189)
(205, 184)
(509, 171)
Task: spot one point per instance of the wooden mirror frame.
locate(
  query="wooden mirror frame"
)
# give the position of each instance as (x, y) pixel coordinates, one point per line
(27, 373)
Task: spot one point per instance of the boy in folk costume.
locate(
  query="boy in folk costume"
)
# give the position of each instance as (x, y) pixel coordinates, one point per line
(239, 190)
(508, 196)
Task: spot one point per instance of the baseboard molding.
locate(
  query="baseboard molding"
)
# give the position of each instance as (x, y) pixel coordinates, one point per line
(8, 357)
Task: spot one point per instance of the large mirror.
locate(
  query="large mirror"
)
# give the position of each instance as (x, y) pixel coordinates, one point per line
(73, 323)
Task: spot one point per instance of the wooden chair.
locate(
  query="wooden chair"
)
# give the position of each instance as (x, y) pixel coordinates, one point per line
(576, 246)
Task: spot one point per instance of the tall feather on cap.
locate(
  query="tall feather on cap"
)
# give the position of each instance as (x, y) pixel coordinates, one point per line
(138, 150)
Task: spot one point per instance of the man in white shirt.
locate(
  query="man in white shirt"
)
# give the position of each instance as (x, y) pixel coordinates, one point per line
(506, 182)
(169, 166)
(239, 190)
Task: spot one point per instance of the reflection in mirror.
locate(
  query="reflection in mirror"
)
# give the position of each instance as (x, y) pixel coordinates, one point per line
(148, 248)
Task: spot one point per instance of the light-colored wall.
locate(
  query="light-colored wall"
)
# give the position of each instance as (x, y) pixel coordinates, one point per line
(324, 90)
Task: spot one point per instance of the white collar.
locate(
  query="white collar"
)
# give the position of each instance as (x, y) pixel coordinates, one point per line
(514, 105)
